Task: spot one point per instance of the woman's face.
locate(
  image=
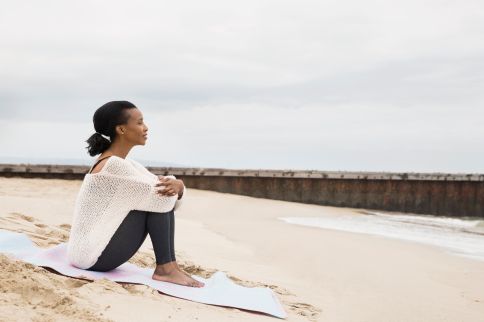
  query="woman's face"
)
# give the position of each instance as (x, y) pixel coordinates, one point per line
(135, 131)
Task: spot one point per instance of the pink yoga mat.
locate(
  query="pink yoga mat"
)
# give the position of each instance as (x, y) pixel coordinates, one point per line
(218, 289)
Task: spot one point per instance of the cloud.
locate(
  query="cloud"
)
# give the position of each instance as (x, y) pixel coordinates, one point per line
(265, 83)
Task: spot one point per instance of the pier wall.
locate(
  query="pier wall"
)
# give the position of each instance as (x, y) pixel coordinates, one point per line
(455, 195)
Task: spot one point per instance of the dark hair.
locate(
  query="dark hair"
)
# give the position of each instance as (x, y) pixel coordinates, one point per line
(105, 120)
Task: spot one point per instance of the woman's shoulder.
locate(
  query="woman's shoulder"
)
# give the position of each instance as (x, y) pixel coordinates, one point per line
(106, 162)
(99, 165)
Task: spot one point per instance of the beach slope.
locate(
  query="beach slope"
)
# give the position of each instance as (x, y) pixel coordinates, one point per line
(318, 274)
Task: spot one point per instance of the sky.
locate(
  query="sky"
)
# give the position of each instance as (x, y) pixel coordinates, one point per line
(341, 85)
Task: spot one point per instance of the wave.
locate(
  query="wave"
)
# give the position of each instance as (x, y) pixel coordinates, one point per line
(460, 236)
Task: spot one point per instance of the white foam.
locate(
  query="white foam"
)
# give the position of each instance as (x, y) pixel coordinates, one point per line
(464, 237)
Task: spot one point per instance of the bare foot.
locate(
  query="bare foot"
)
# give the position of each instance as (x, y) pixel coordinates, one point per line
(178, 268)
(169, 273)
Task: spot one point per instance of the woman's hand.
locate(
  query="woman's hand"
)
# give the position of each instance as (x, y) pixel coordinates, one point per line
(172, 186)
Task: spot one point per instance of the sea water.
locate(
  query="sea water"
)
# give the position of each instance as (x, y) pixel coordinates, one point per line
(460, 236)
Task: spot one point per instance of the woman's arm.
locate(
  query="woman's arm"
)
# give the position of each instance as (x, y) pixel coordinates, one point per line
(171, 185)
(133, 189)
(150, 199)
(145, 195)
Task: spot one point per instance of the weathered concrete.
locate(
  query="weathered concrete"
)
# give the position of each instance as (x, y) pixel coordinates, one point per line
(455, 195)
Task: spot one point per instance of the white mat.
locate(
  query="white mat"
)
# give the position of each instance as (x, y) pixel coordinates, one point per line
(218, 289)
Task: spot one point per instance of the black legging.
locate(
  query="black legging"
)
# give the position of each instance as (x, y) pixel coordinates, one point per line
(131, 234)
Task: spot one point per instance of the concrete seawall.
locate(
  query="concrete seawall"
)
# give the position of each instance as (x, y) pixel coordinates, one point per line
(454, 195)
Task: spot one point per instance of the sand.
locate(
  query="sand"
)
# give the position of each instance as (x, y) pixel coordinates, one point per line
(318, 275)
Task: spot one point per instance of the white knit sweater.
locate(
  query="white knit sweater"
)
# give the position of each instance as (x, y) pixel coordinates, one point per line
(104, 200)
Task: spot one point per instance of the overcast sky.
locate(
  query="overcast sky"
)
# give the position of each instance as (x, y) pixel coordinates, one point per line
(322, 85)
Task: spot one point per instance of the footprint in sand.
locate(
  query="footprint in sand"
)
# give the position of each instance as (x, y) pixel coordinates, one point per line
(142, 290)
(275, 288)
(41, 234)
(309, 311)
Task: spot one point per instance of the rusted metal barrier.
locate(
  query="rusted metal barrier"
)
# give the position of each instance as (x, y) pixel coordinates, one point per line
(455, 195)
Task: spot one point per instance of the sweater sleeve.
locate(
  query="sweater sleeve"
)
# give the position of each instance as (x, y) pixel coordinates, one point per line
(143, 195)
(141, 168)
(178, 202)
(152, 200)
(132, 190)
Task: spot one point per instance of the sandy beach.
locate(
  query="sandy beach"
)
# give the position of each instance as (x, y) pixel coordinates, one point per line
(318, 274)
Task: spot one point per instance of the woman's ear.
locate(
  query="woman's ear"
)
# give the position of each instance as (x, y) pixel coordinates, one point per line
(119, 130)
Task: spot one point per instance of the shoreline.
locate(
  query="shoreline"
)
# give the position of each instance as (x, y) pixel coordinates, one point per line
(456, 236)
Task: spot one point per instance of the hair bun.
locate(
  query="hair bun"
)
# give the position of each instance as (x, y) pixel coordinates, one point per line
(98, 143)
(102, 135)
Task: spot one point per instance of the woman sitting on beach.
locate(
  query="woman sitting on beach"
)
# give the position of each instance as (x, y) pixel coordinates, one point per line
(120, 201)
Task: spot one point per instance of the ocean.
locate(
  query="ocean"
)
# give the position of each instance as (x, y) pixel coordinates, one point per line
(459, 236)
